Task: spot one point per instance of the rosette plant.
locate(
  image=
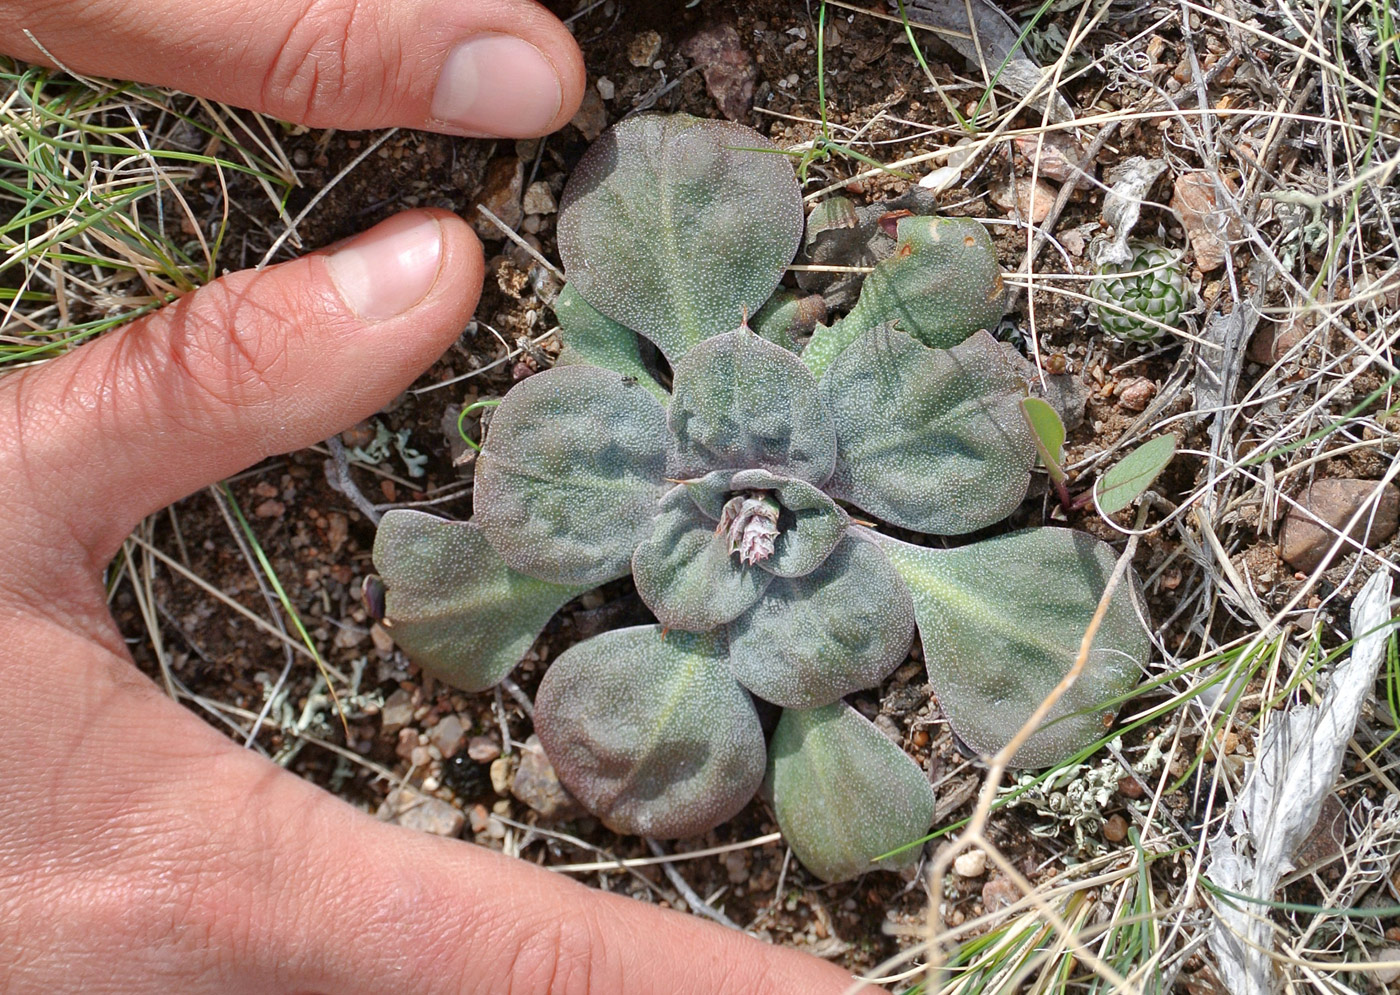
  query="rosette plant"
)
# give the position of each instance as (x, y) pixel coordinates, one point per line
(742, 493)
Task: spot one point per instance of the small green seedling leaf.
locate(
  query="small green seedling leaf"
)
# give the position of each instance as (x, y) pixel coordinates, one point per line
(1049, 434)
(1134, 474)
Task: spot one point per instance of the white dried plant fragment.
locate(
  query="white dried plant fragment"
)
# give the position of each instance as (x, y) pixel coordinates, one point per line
(1300, 756)
(751, 522)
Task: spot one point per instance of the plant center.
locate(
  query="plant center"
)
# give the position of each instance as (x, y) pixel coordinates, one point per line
(750, 519)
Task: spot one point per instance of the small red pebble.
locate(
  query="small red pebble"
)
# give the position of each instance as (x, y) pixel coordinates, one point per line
(1115, 829)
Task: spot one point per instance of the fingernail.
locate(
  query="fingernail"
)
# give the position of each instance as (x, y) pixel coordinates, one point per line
(390, 268)
(497, 85)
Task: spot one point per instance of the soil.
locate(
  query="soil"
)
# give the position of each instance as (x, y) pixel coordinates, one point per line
(319, 544)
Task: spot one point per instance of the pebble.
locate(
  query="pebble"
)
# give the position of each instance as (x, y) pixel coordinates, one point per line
(483, 749)
(643, 49)
(500, 775)
(499, 194)
(271, 508)
(999, 893)
(427, 814)
(970, 864)
(383, 642)
(539, 199)
(1303, 542)
(1271, 342)
(606, 88)
(1135, 394)
(592, 116)
(420, 757)
(1032, 201)
(397, 711)
(537, 785)
(1385, 975)
(407, 743)
(1115, 830)
(448, 735)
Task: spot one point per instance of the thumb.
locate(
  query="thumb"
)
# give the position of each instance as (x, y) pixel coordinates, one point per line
(256, 363)
(503, 68)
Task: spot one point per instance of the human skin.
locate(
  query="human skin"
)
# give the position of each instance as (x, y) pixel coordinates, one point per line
(140, 850)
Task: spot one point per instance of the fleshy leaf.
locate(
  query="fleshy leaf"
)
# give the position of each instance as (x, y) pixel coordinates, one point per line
(589, 336)
(685, 572)
(677, 226)
(650, 732)
(1001, 622)
(1134, 473)
(929, 439)
(574, 463)
(788, 316)
(844, 794)
(942, 284)
(742, 402)
(814, 639)
(453, 605)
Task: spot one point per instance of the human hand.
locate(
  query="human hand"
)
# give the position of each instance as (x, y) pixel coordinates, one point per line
(141, 851)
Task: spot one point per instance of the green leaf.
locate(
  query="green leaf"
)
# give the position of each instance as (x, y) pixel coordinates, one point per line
(814, 639)
(741, 402)
(788, 316)
(650, 732)
(589, 336)
(942, 284)
(1134, 473)
(1048, 432)
(453, 605)
(685, 572)
(844, 794)
(574, 463)
(1002, 621)
(677, 227)
(928, 439)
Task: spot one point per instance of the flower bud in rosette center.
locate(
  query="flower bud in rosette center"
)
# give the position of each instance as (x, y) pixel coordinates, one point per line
(750, 520)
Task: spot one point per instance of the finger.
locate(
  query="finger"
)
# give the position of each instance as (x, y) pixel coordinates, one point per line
(154, 856)
(256, 363)
(468, 67)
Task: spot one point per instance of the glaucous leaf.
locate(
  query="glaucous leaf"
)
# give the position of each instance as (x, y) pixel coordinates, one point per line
(788, 317)
(685, 572)
(677, 226)
(942, 284)
(814, 639)
(1002, 621)
(741, 402)
(589, 336)
(844, 794)
(453, 605)
(574, 463)
(928, 439)
(650, 732)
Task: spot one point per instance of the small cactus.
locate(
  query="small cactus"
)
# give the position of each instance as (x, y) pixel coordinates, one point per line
(1154, 293)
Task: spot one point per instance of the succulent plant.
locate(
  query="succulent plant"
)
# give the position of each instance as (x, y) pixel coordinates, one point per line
(733, 495)
(1153, 293)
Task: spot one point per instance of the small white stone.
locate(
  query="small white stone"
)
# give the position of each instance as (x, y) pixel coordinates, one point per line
(606, 89)
(539, 199)
(970, 864)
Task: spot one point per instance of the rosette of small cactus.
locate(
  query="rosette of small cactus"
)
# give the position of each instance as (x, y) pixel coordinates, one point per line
(1138, 300)
(749, 494)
